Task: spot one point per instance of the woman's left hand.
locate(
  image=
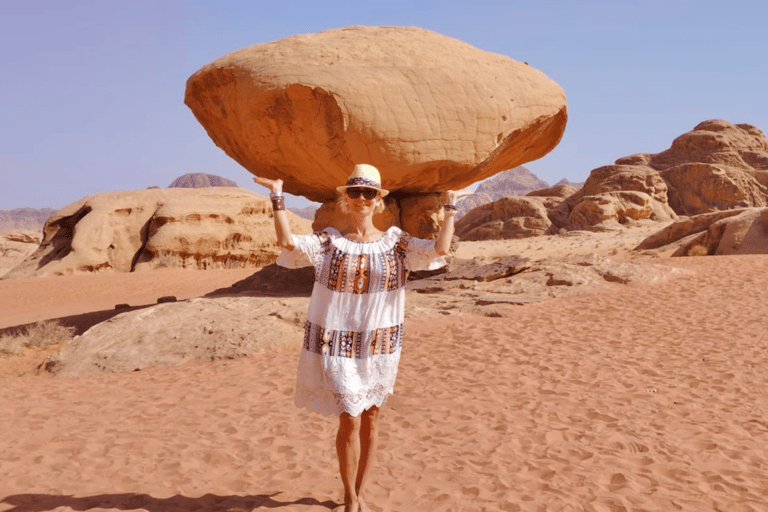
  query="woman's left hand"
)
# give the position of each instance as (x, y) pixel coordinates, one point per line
(454, 195)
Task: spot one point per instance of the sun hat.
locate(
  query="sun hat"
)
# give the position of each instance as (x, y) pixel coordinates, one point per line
(364, 175)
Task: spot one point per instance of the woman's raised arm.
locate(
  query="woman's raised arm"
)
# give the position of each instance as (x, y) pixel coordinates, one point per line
(282, 228)
(445, 235)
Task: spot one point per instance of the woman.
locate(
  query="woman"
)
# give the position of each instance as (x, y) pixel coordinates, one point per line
(353, 332)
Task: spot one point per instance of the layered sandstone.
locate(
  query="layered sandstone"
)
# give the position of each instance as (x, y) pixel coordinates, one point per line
(432, 113)
(220, 227)
(716, 167)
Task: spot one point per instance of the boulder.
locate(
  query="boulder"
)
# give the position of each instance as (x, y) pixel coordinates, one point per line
(173, 333)
(603, 211)
(431, 112)
(743, 233)
(683, 228)
(219, 227)
(697, 188)
(507, 218)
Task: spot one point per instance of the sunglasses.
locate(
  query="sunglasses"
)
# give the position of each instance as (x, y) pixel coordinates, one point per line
(367, 193)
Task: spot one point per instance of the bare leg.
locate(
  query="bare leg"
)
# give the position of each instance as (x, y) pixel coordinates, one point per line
(369, 442)
(348, 451)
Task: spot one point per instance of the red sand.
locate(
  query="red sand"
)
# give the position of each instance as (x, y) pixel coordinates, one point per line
(639, 398)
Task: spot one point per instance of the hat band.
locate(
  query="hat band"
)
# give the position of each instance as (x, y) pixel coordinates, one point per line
(362, 182)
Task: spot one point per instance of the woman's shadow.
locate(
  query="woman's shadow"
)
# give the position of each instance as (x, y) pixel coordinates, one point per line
(133, 501)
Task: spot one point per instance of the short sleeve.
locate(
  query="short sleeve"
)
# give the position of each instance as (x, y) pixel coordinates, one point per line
(420, 254)
(307, 251)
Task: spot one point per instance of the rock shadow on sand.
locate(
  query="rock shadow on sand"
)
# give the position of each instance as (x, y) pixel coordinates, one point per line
(135, 501)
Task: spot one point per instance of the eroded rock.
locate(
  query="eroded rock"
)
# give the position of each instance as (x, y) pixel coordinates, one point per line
(221, 227)
(432, 113)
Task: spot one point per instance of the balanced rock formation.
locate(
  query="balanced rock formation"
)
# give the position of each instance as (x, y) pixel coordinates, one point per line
(432, 113)
(219, 227)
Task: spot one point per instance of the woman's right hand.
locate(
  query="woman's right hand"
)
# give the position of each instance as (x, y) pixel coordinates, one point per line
(275, 186)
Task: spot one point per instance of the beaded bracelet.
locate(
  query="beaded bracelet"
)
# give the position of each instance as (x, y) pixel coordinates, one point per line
(278, 202)
(450, 207)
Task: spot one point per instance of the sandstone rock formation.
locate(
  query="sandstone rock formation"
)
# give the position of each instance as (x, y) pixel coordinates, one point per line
(15, 246)
(432, 113)
(219, 227)
(201, 180)
(737, 231)
(509, 217)
(174, 333)
(717, 166)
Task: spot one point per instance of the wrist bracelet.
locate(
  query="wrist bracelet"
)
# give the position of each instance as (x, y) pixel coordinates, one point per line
(450, 207)
(278, 202)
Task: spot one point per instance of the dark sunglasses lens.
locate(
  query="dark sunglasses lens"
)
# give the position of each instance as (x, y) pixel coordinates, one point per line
(367, 193)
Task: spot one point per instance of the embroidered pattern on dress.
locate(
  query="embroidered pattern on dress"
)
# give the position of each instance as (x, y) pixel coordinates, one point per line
(359, 345)
(362, 273)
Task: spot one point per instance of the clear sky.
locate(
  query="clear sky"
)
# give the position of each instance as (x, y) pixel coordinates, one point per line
(91, 92)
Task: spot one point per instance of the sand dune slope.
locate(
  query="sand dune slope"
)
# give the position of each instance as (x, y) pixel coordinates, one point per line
(641, 398)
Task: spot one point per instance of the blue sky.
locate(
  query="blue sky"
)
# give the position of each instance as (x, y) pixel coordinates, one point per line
(92, 91)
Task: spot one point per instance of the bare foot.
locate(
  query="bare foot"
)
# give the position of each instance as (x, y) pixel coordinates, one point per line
(363, 505)
(346, 508)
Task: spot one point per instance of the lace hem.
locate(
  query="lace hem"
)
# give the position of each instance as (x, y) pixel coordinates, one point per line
(334, 385)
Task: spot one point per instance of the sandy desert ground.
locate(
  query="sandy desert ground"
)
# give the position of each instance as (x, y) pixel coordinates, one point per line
(633, 398)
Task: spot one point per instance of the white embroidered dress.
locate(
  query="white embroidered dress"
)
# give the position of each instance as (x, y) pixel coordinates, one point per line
(354, 328)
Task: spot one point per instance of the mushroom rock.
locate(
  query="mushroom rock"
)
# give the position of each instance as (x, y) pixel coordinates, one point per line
(221, 227)
(430, 112)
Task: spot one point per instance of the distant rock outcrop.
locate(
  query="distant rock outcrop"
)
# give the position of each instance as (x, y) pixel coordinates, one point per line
(308, 212)
(512, 182)
(432, 113)
(201, 180)
(25, 218)
(219, 227)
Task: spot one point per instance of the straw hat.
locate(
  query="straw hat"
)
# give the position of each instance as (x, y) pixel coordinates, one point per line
(364, 175)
